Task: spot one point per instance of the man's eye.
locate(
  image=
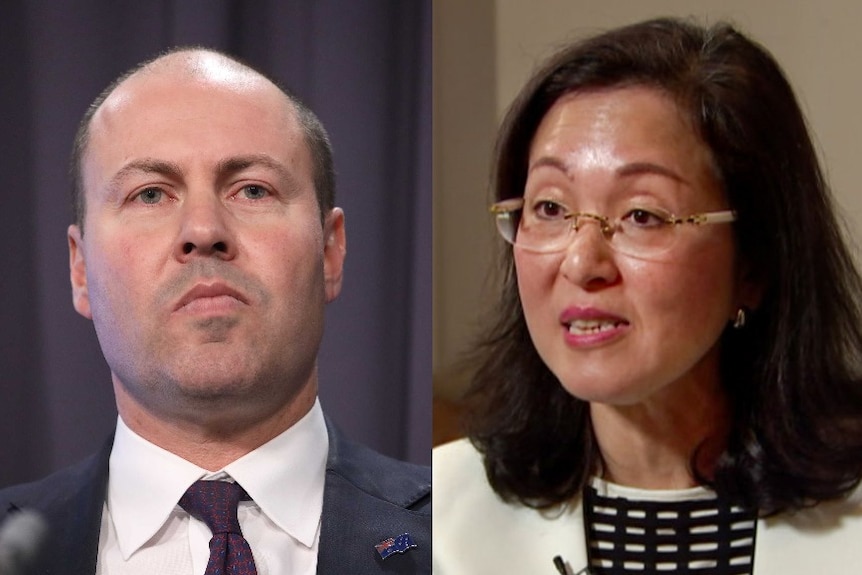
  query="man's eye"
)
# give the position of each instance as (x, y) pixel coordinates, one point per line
(254, 192)
(150, 196)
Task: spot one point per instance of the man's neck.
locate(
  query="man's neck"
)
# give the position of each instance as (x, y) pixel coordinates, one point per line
(216, 438)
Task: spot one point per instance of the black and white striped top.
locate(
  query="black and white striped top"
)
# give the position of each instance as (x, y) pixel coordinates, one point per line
(683, 531)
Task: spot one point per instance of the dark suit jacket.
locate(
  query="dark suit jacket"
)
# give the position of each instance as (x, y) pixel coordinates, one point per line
(367, 499)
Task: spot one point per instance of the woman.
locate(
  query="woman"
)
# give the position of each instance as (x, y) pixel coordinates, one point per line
(672, 383)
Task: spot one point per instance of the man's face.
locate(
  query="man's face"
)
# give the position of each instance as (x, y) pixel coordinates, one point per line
(202, 262)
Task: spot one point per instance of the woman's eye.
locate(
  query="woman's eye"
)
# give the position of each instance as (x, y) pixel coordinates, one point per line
(150, 196)
(644, 218)
(254, 192)
(548, 210)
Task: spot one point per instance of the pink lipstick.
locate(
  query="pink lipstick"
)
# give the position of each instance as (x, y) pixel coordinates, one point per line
(591, 327)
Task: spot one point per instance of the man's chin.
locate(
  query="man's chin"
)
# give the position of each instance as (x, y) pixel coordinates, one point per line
(215, 330)
(213, 387)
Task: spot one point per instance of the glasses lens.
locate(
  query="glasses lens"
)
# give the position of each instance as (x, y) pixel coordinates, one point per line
(644, 234)
(541, 233)
(531, 232)
(507, 224)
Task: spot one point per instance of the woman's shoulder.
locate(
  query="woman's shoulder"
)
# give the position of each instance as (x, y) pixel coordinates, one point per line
(451, 457)
(458, 448)
(823, 538)
(475, 531)
(458, 472)
(460, 481)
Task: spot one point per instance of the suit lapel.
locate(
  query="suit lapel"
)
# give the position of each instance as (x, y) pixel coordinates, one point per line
(367, 499)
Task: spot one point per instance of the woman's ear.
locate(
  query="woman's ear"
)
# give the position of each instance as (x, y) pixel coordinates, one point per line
(751, 286)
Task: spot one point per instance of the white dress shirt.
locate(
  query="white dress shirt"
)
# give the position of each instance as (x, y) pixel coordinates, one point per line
(144, 531)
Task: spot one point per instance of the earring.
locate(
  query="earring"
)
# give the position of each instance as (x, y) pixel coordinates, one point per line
(739, 321)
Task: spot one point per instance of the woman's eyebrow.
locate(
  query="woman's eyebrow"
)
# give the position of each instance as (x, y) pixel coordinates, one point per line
(549, 162)
(630, 169)
(640, 168)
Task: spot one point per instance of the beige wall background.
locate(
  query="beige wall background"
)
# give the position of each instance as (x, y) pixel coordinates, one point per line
(484, 50)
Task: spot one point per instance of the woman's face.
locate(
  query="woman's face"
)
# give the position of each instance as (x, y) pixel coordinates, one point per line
(614, 328)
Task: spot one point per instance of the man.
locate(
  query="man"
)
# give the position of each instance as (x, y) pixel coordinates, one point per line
(205, 247)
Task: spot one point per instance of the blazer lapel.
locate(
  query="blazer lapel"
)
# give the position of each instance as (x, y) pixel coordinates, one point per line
(576, 561)
(539, 536)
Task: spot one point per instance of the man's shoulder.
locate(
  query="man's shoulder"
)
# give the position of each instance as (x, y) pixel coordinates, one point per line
(377, 476)
(61, 488)
(70, 502)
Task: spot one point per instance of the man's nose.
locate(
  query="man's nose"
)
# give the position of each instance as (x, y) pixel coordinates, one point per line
(205, 228)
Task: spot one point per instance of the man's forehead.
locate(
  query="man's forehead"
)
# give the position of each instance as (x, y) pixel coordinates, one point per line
(189, 85)
(203, 69)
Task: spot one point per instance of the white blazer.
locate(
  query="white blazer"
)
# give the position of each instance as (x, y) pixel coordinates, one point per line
(475, 533)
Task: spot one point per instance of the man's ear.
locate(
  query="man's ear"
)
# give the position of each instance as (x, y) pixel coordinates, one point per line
(78, 272)
(334, 251)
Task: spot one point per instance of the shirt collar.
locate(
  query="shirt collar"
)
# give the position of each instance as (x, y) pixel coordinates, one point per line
(284, 477)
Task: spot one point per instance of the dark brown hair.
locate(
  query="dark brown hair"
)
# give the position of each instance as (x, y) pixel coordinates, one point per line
(791, 374)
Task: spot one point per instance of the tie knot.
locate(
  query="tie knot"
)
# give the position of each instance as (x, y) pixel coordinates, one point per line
(214, 503)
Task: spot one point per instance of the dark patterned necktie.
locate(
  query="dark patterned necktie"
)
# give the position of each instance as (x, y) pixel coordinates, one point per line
(215, 503)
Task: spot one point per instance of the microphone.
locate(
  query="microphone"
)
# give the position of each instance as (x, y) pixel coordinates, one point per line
(21, 538)
(560, 565)
(563, 567)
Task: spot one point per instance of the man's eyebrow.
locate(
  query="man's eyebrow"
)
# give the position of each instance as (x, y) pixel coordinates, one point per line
(235, 164)
(224, 168)
(145, 165)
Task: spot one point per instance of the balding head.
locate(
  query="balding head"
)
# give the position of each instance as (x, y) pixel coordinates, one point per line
(212, 68)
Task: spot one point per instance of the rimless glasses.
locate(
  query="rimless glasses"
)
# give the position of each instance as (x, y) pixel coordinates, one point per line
(640, 232)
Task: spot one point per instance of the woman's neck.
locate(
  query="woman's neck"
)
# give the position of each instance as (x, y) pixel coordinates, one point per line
(651, 445)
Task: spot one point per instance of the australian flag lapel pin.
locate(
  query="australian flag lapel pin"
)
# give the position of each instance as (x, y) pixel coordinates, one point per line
(400, 544)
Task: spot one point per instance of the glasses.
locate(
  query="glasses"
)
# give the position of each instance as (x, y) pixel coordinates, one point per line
(548, 227)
